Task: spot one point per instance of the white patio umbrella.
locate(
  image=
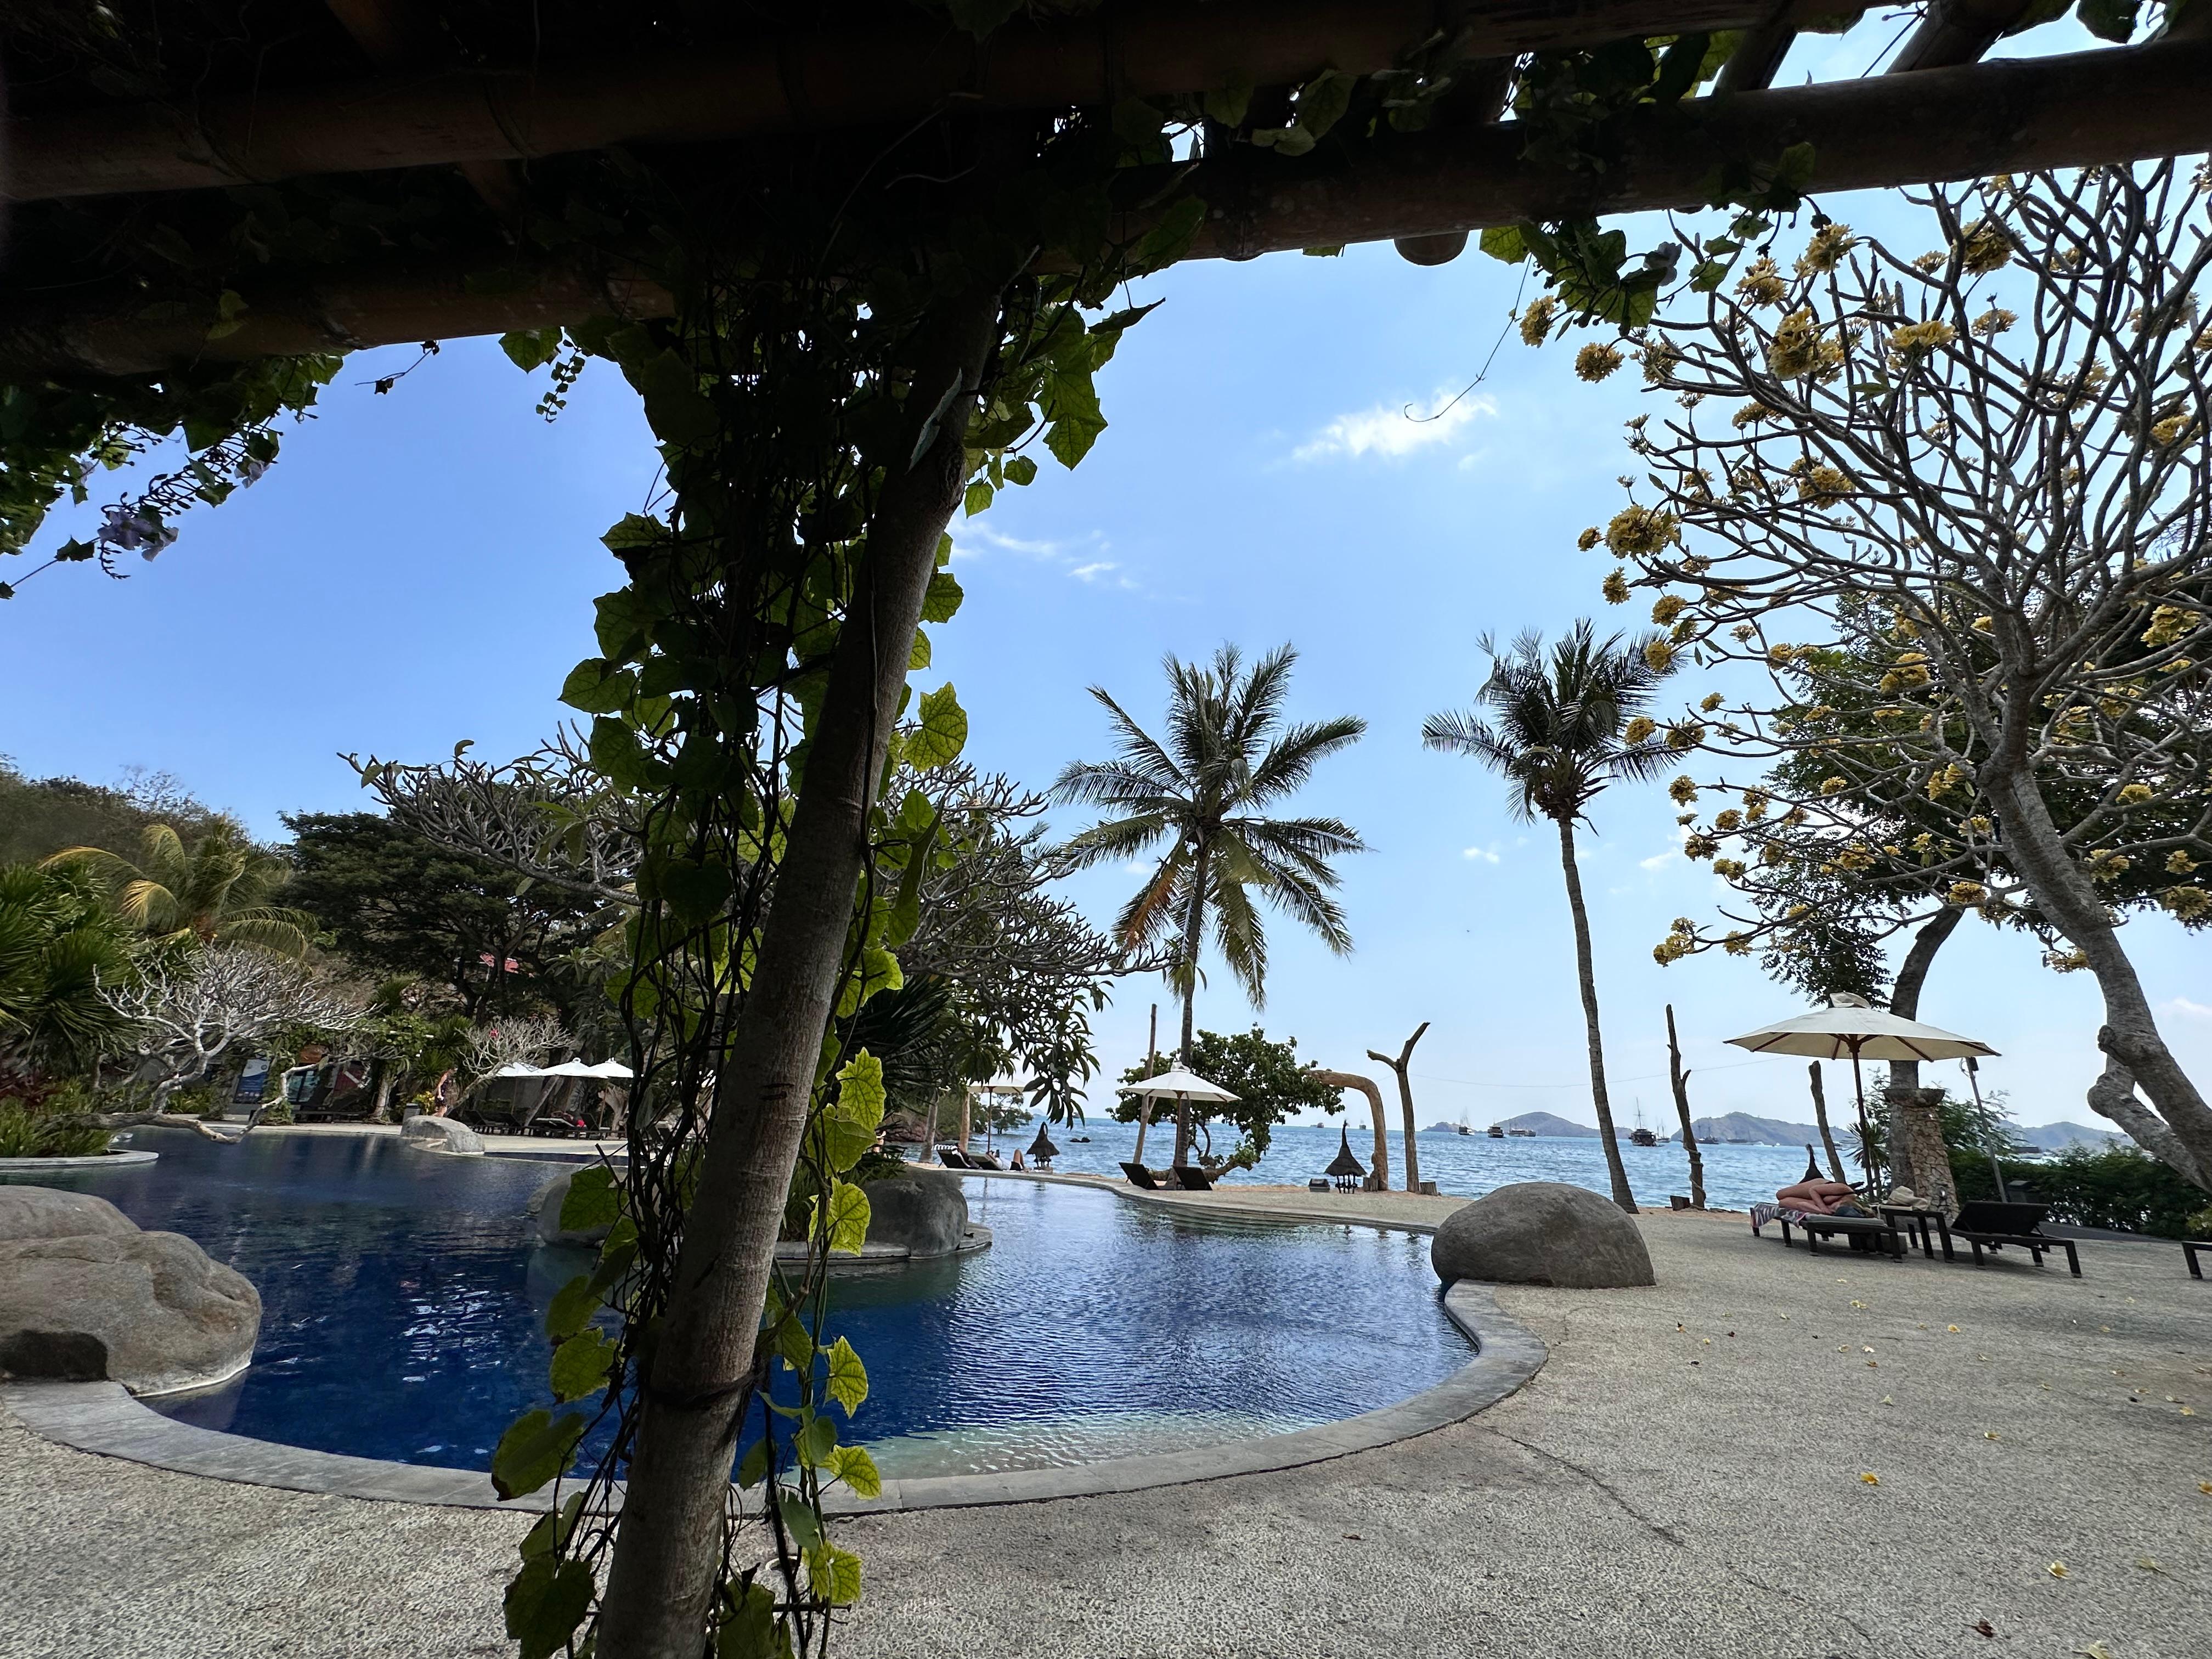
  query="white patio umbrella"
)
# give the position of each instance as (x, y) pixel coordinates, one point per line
(1850, 1025)
(517, 1068)
(1173, 1085)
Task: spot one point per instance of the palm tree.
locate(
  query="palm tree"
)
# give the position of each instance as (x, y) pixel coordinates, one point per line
(59, 948)
(1561, 727)
(215, 892)
(1204, 791)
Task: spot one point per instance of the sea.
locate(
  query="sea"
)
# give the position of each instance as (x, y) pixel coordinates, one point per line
(1468, 1165)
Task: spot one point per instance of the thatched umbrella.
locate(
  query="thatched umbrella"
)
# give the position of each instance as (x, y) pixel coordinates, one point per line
(1344, 1169)
(1041, 1150)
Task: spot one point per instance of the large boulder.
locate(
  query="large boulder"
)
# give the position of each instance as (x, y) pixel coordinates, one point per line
(100, 1301)
(1542, 1232)
(924, 1210)
(49, 1212)
(546, 1206)
(442, 1134)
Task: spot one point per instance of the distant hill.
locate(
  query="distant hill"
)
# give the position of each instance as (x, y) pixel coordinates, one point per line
(1742, 1130)
(1548, 1123)
(2056, 1137)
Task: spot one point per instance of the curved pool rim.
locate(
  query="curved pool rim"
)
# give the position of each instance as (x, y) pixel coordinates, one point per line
(104, 1419)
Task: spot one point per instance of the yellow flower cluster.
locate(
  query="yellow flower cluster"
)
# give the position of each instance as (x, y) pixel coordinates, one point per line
(1638, 730)
(1987, 246)
(1780, 652)
(1700, 847)
(1966, 892)
(1756, 803)
(1667, 607)
(1615, 587)
(2178, 863)
(1595, 361)
(1728, 821)
(1795, 350)
(1949, 780)
(1762, 283)
(1750, 414)
(1587, 540)
(2136, 794)
(2170, 623)
(1728, 869)
(1773, 853)
(2172, 430)
(1686, 736)
(1536, 321)
(1854, 859)
(1737, 943)
(1710, 701)
(1642, 531)
(1830, 243)
(1821, 486)
(2106, 865)
(2189, 904)
(1834, 785)
(2065, 961)
(1915, 341)
(1684, 791)
(1911, 674)
(1678, 944)
(1659, 360)
(1985, 624)
(1659, 656)
(1996, 320)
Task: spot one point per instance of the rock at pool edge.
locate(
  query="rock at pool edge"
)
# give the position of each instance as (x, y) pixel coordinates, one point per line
(442, 1134)
(149, 1310)
(1542, 1232)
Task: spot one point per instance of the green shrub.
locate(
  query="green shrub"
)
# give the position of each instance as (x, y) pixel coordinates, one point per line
(2118, 1188)
(38, 1129)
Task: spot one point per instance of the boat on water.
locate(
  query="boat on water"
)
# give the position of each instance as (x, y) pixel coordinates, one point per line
(1526, 1134)
(1640, 1136)
(1461, 1128)
(1496, 1133)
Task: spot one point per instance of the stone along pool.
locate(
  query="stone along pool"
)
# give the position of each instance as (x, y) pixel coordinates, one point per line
(404, 1294)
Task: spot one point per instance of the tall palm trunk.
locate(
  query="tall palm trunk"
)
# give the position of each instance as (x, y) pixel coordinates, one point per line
(695, 1387)
(1588, 975)
(1193, 930)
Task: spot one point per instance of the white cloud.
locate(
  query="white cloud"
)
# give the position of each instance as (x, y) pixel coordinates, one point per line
(1094, 570)
(2183, 1008)
(1480, 854)
(1661, 860)
(1078, 558)
(1393, 430)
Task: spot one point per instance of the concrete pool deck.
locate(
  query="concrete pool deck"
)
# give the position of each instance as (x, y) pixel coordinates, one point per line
(1662, 1486)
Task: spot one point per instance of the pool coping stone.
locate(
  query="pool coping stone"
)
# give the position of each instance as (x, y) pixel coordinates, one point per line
(106, 1419)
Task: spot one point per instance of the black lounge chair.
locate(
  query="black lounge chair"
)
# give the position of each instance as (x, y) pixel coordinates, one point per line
(1863, 1232)
(953, 1159)
(985, 1161)
(1983, 1221)
(1193, 1179)
(2189, 1250)
(1140, 1177)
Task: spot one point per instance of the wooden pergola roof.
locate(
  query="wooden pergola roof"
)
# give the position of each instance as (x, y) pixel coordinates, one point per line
(481, 92)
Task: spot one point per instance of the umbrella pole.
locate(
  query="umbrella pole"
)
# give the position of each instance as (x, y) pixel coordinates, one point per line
(1866, 1128)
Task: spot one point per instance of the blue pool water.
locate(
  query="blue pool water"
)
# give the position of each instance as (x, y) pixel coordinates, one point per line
(402, 1296)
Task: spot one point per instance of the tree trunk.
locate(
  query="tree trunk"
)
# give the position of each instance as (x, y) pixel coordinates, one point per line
(1194, 929)
(1378, 1178)
(1681, 1079)
(1820, 1118)
(1406, 1103)
(696, 1381)
(1911, 974)
(2064, 893)
(1588, 975)
(1919, 1156)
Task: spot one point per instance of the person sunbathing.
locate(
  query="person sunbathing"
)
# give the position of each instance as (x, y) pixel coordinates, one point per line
(1818, 1197)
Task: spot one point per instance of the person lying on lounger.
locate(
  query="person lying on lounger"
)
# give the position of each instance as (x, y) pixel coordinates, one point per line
(1820, 1198)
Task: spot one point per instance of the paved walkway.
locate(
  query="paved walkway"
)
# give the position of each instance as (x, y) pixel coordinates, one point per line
(1684, 1477)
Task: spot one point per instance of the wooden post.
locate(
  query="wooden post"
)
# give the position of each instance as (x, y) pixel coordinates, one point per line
(1406, 1103)
(1820, 1118)
(1681, 1079)
(1145, 1102)
(1378, 1178)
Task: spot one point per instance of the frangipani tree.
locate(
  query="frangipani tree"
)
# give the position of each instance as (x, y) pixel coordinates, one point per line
(1987, 468)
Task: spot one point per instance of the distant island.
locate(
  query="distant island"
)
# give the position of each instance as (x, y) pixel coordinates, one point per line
(1546, 1123)
(1742, 1130)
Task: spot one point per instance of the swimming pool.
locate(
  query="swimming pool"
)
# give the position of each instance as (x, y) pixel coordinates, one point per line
(403, 1293)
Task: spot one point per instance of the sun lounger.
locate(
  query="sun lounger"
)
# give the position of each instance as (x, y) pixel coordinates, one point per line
(1984, 1221)
(985, 1161)
(953, 1157)
(1140, 1177)
(2189, 1250)
(1863, 1232)
(1192, 1179)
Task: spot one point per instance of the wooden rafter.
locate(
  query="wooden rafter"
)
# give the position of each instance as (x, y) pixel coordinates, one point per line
(1956, 32)
(813, 82)
(2112, 105)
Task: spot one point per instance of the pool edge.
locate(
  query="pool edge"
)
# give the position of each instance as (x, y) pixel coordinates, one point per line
(105, 1420)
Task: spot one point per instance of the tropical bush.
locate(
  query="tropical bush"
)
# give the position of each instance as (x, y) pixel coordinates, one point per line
(48, 1121)
(2118, 1188)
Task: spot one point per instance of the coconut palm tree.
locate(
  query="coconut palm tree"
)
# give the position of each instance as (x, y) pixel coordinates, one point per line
(1562, 725)
(59, 948)
(1204, 791)
(215, 892)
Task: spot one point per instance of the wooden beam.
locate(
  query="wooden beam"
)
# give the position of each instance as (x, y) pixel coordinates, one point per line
(1956, 32)
(809, 82)
(1757, 57)
(2116, 105)
(392, 33)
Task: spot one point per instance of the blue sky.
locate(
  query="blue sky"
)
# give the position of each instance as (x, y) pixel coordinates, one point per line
(418, 569)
